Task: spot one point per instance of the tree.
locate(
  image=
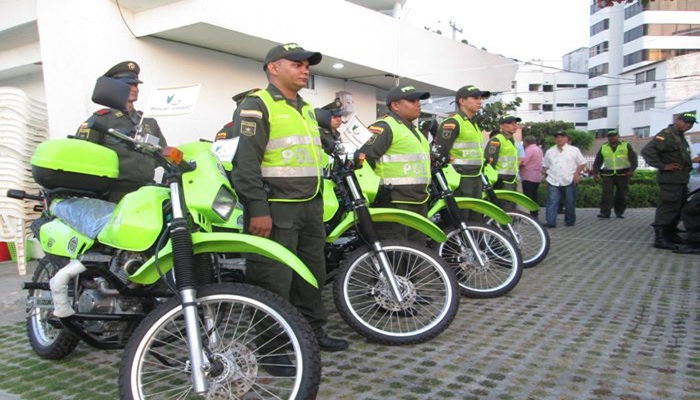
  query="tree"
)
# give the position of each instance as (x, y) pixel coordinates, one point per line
(544, 133)
(488, 117)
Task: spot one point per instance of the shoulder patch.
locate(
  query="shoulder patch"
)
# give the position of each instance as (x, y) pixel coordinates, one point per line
(377, 130)
(248, 128)
(495, 143)
(103, 111)
(252, 114)
(657, 137)
(449, 126)
(118, 114)
(220, 136)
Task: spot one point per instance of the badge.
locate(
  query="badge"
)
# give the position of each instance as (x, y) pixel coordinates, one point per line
(377, 130)
(371, 140)
(251, 114)
(447, 134)
(248, 128)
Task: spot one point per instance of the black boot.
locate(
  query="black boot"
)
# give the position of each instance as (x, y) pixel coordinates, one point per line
(661, 241)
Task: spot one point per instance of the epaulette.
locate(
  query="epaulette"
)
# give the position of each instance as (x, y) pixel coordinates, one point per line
(103, 111)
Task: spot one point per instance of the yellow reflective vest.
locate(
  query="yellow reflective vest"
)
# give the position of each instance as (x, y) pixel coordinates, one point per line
(467, 149)
(615, 160)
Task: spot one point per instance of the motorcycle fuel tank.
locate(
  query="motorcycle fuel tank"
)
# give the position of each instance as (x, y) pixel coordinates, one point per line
(137, 221)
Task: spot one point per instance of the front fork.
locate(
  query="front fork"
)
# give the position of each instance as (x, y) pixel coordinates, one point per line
(366, 227)
(186, 283)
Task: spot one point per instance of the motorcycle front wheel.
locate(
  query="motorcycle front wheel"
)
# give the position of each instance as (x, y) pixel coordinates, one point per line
(257, 344)
(47, 338)
(502, 264)
(532, 238)
(364, 300)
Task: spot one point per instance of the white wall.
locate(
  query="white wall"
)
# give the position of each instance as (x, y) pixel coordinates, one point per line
(80, 45)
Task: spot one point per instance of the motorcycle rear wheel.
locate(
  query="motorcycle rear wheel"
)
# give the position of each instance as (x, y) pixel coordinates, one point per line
(532, 238)
(429, 288)
(46, 336)
(156, 363)
(502, 267)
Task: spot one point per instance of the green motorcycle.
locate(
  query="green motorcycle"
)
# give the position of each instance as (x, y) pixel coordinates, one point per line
(144, 275)
(485, 260)
(390, 291)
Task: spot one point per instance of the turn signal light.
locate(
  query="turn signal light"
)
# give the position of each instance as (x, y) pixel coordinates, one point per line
(173, 155)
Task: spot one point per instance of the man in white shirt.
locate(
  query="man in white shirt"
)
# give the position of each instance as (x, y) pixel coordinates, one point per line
(562, 164)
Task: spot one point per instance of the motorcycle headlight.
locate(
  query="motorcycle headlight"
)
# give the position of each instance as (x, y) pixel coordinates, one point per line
(224, 203)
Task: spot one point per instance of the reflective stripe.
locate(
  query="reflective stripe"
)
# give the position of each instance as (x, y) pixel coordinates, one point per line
(405, 181)
(289, 172)
(464, 161)
(288, 141)
(404, 157)
(466, 145)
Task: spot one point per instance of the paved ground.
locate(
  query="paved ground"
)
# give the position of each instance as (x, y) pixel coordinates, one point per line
(605, 316)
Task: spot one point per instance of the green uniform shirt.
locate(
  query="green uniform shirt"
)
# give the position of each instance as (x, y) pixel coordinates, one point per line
(669, 146)
(135, 169)
(449, 132)
(502, 154)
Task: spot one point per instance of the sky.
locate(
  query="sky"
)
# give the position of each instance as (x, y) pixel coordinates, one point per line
(520, 29)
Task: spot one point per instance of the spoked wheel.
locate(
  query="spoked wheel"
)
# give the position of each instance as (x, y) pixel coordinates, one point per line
(46, 336)
(531, 237)
(258, 345)
(364, 298)
(502, 265)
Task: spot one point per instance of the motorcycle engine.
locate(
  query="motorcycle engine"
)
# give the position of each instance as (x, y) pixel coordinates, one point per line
(105, 300)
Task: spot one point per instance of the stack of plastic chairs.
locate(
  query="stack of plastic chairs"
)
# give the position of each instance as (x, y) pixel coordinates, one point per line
(23, 125)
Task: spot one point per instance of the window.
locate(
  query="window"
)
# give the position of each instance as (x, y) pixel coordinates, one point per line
(580, 124)
(598, 70)
(601, 47)
(311, 83)
(547, 107)
(634, 33)
(534, 87)
(645, 76)
(512, 84)
(564, 85)
(597, 113)
(547, 88)
(535, 106)
(641, 132)
(581, 105)
(598, 91)
(600, 26)
(644, 104)
(662, 30)
(565, 105)
(581, 85)
(654, 55)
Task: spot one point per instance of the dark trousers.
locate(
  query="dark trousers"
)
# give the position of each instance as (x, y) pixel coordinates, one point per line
(391, 230)
(506, 205)
(471, 187)
(691, 219)
(530, 190)
(672, 197)
(615, 189)
(299, 228)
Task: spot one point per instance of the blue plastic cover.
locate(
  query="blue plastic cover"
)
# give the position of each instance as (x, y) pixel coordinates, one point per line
(87, 216)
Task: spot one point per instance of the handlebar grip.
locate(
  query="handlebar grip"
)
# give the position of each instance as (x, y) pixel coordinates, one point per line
(93, 123)
(21, 195)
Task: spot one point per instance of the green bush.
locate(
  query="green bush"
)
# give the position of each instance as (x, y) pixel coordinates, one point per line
(643, 193)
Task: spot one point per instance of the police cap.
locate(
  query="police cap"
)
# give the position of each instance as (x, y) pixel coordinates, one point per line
(125, 71)
(406, 92)
(471, 91)
(613, 132)
(334, 107)
(291, 51)
(507, 119)
(689, 117)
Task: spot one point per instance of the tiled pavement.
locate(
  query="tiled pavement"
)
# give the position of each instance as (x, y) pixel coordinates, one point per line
(605, 316)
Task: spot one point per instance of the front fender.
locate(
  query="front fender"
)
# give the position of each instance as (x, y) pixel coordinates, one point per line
(481, 206)
(403, 217)
(517, 198)
(224, 242)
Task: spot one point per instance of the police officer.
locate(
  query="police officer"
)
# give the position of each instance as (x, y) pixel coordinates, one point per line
(135, 169)
(502, 154)
(615, 162)
(226, 132)
(277, 174)
(669, 152)
(329, 136)
(461, 137)
(400, 155)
